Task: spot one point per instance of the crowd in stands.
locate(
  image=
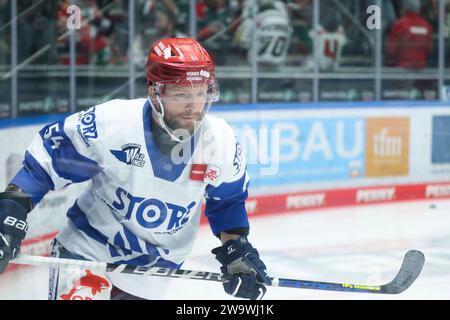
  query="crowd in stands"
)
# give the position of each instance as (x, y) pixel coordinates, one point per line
(409, 31)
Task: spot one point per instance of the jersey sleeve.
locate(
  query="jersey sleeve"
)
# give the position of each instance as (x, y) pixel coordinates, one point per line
(225, 200)
(64, 152)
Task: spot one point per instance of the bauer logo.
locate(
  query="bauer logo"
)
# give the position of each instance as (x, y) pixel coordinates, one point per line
(130, 154)
(375, 195)
(387, 147)
(306, 201)
(440, 150)
(437, 191)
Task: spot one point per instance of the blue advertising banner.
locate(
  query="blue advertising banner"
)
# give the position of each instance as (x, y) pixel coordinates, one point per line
(440, 149)
(293, 151)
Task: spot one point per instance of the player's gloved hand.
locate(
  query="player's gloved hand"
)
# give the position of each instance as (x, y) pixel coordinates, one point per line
(13, 228)
(248, 273)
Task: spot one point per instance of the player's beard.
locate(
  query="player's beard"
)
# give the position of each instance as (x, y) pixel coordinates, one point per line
(179, 123)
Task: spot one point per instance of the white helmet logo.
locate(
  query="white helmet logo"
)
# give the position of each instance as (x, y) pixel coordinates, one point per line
(204, 73)
(167, 53)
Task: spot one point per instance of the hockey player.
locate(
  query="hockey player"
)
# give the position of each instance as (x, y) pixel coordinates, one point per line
(149, 162)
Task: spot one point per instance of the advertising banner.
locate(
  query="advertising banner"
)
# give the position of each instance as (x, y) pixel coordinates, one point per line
(440, 149)
(286, 151)
(387, 141)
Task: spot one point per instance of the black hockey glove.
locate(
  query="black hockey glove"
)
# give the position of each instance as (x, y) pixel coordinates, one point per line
(14, 207)
(248, 273)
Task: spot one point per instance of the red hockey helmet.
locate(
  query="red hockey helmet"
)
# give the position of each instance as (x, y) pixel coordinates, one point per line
(180, 62)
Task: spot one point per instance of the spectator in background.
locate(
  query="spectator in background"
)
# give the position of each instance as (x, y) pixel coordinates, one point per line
(331, 39)
(116, 13)
(145, 15)
(430, 11)
(300, 12)
(96, 42)
(447, 32)
(4, 32)
(410, 40)
(158, 19)
(36, 31)
(273, 34)
(212, 16)
(216, 24)
(165, 27)
(62, 44)
(96, 38)
(178, 12)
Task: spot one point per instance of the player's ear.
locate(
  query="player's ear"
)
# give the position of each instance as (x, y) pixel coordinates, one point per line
(151, 90)
(152, 96)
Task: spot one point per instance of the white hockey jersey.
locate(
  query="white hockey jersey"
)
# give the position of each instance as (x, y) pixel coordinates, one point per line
(330, 45)
(141, 207)
(274, 33)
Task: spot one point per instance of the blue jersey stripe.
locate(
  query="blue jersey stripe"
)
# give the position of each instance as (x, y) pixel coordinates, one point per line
(118, 241)
(132, 240)
(33, 179)
(112, 251)
(79, 219)
(151, 249)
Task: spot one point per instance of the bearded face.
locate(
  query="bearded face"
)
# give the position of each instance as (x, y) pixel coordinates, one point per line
(183, 105)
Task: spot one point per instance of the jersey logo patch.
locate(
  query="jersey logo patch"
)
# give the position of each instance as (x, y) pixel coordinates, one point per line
(87, 287)
(87, 127)
(152, 213)
(198, 172)
(237, 158)
(130, 154)
(204, 173)
(212, 174)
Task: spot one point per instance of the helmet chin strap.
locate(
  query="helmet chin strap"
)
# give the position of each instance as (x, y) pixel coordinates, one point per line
(160, 117)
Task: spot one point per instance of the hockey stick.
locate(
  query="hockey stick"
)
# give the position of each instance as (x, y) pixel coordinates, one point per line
(408, 273)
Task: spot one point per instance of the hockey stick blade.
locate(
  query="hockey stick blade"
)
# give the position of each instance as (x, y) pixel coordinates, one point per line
(409, 271)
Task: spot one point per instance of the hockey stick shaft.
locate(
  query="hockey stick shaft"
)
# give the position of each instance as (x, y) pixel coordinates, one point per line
(172, 273)
(411, 267)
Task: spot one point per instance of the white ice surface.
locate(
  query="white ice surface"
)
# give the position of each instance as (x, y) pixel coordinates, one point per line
(360, 245)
